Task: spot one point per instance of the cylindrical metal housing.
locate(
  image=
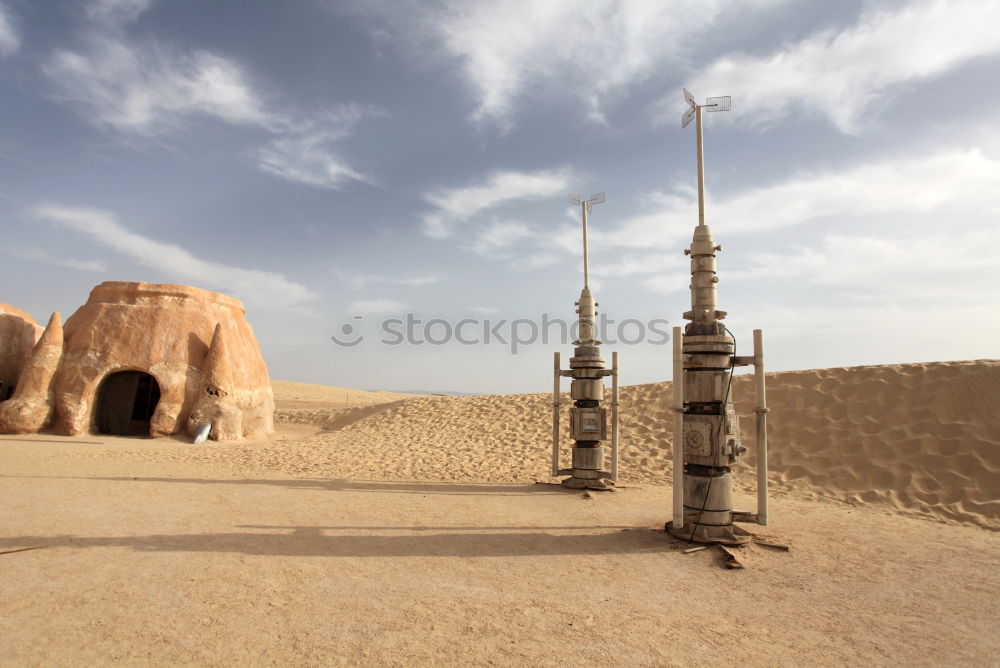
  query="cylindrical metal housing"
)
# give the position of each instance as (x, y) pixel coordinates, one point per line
(587, 389)
(587, 310)
(708, 514)
(588, 459)
(710, 497)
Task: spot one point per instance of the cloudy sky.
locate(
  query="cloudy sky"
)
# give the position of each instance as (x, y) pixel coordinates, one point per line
(336, 163)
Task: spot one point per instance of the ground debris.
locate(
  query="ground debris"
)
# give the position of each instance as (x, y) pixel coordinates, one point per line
(770, 542)
(728, 558)
(22, 549)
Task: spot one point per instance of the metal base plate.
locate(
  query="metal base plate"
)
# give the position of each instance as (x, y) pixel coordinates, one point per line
(702, 533)
(599, 484)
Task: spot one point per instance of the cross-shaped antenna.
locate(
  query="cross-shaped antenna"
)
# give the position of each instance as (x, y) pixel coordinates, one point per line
(723, 103)
(585, 208)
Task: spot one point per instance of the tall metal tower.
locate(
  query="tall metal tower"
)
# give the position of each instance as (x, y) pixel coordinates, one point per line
(706, 429)
(588, 419)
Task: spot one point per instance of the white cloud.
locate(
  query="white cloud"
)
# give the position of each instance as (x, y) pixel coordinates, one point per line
(872, 268)
(10, 40)
(594, 51)
(359, 281)
(458, 205)
(889, 269)
(498, 236)
(150, 89)
(844, 75)
(374, 306)
(117, 12)
(670, 269)
(304, 154)
(536, 260)
(632, 264)
(667, 284)
(39, 255)
(261, 288)
(953, 182)
(911, 184)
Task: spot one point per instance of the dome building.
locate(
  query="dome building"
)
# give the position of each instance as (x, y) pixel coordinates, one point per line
(143, 358)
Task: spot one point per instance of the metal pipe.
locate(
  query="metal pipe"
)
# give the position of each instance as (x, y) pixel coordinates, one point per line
(614, 416)
(586, 261)
(555, 416)
(678, 408)
(701, 166)
(761, 411)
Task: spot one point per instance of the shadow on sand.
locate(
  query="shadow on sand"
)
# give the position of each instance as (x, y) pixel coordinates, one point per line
(336, 485)
(304, 541)
(371, 541)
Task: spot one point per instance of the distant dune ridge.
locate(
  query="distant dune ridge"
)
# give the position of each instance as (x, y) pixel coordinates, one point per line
(921, 439)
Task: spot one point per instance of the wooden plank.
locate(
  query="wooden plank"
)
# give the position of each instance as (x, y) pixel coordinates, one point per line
(728, 558)
(767, 542)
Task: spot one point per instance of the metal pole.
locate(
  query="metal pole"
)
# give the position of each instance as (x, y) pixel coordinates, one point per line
(678, 409)
(555, 417)
(614, 416)
(701, 166)
(586, 261)
(761, 411)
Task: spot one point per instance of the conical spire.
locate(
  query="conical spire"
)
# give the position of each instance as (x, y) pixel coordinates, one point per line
(36, 376)
(31, 406)
(216, 371)
(53, 334)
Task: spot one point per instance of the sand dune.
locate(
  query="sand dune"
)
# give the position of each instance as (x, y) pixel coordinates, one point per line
(921, 439)
(325, 407)
(306, 395)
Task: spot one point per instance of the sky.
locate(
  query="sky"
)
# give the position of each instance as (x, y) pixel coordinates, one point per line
(345, 167)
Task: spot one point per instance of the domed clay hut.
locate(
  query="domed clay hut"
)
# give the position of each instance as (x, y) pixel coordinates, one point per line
(145, 358)
(18, 334)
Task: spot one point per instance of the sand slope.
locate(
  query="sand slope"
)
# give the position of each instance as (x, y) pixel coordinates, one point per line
(292, 395)
(921, 439)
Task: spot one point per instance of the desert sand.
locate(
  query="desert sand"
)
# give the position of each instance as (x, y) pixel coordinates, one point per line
(388, 529)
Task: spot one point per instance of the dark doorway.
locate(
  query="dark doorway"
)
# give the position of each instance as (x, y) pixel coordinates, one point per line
(6, 390)
(125, 403)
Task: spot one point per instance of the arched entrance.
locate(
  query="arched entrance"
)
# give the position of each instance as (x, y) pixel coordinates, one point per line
(125, 403)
